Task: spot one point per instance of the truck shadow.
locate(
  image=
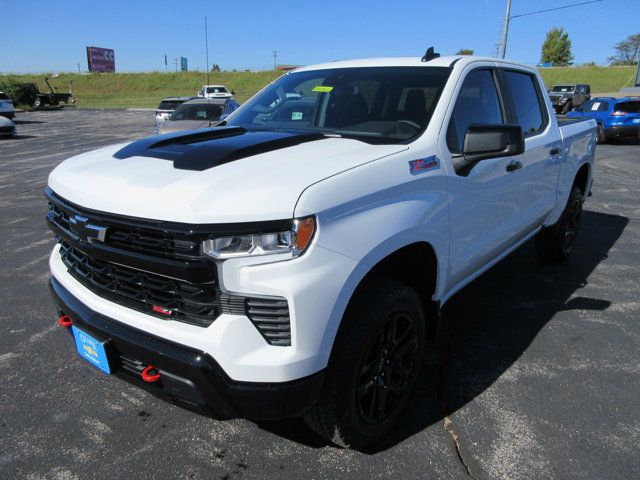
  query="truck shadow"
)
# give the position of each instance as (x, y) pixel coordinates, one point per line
(489, 324)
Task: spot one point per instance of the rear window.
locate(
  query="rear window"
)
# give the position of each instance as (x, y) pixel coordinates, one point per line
(169, 105)
(202, 112)
(525, 100)
(217, 90)
(563, 88)
(628, 107)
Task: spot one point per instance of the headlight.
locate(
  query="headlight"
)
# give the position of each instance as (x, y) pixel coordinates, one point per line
(293, 242)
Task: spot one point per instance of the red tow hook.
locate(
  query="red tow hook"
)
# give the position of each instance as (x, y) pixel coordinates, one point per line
(65, 321)
(150, 374)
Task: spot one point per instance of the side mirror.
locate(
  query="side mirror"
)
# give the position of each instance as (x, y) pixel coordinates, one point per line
(223, 116)
(482, 142)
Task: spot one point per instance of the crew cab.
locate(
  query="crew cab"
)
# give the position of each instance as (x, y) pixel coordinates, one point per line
(293, 260)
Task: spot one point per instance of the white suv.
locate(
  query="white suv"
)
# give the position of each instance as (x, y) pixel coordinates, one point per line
(215, 91)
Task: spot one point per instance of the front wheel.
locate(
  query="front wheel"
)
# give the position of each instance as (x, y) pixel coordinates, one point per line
(555, 243)
(601, 137)
(374, 365)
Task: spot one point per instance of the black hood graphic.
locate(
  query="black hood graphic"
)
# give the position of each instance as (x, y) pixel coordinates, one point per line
(202, 150)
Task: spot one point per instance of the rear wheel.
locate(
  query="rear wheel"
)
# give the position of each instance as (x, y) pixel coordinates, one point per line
(373, 366)
(37, 102)
(554, 243)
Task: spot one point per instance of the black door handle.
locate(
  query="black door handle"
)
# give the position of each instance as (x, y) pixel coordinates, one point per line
(515, 165)
(555, 151)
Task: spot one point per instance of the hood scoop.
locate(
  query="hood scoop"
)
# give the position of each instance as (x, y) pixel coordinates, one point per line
(202, 150)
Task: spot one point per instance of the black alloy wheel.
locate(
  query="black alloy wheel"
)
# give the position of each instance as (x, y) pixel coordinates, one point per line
(385, 371)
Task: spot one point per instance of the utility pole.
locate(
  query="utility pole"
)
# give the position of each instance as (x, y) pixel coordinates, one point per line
(507, 18)
(206, 43)
(78, 64)
(175, 60)
(275, 58)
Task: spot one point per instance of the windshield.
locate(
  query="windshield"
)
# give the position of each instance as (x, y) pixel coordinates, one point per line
(563, 88)
(377, 104)
(199, 111)
(217, 90)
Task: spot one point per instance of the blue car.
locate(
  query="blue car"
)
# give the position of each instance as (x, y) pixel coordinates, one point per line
(616, 117)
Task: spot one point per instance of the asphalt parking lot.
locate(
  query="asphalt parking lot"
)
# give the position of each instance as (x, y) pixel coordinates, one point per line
(538, 377)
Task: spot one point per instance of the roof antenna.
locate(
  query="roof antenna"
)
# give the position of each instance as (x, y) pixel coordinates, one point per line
(430, 55)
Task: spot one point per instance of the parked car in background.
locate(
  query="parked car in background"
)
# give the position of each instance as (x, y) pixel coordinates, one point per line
(167, 106)
(566, 97)
(7, 127)
(616, 117)
(198, 113)
(215, 91)
(6, 106)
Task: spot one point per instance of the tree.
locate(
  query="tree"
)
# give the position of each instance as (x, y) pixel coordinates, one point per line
(556, 48)
(465, 51)
(215, 67)
(626, 51)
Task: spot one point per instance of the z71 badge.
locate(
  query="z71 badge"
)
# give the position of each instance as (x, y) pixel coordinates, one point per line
(423, 165)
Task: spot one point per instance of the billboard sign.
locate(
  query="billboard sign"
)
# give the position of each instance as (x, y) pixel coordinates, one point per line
(183, 64)
(101, 59)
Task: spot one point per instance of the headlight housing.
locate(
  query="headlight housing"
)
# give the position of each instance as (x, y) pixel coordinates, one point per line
(292, 242)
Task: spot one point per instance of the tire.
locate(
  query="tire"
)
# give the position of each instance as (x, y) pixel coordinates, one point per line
(567, 108)
(554, 243)
(37, 102)
(600, 136)
(373, 367)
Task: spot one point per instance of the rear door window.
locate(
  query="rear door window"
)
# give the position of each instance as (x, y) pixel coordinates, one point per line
(526, 101)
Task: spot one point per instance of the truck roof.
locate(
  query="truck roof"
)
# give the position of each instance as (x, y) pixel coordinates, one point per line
(446, 61)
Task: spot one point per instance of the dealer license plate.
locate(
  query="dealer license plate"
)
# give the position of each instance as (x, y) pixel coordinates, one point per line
(91, 349)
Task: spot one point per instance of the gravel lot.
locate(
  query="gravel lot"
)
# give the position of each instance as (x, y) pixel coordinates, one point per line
(539, 376)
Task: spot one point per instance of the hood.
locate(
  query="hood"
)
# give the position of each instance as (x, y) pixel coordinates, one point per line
(223, 175)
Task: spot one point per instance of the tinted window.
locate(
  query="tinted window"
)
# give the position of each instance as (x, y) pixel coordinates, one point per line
(477, 103)
(168, 105)
(200, 111)
(525, 101)
(594, 106)
(629, 107)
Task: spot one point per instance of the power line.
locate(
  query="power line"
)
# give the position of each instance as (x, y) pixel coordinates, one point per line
(554, 9)
(508, 18)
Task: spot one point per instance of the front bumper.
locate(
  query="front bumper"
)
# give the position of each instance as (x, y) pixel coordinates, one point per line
(189, 377)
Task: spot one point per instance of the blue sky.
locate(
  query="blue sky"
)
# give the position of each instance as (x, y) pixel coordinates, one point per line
(51, 36)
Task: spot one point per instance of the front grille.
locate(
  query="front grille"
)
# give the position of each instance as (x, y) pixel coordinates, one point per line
(169, 250)
(135, 238)
(7, 129)
(189, 303)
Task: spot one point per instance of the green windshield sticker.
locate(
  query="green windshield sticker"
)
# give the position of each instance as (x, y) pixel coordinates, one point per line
(296, 115)
(322, 88)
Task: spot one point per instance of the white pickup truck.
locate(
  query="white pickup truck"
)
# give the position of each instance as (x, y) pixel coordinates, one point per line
(292, 260)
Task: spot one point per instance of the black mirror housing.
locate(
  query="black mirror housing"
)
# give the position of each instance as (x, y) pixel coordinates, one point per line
(483, 142)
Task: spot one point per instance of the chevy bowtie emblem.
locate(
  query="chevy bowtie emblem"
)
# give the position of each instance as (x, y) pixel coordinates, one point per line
(85, 231)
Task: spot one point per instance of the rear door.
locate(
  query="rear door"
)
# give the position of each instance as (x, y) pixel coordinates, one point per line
(538, 178)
